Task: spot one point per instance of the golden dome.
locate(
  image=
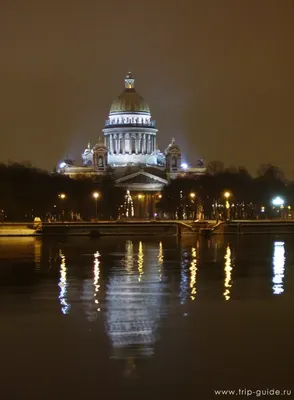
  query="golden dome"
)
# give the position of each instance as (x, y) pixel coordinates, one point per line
(129, 101)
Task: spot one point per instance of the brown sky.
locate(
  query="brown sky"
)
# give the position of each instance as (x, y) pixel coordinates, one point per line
(218, 75)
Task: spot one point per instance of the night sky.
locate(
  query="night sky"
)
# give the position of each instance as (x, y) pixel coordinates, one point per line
(218, 76)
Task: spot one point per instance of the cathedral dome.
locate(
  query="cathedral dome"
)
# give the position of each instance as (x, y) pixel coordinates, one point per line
(129, 101)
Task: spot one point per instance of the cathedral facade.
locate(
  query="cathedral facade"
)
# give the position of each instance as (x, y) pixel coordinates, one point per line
(128, 150)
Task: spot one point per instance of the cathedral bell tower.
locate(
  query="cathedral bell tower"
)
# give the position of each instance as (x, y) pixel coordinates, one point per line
(173, 157)
(100, 155)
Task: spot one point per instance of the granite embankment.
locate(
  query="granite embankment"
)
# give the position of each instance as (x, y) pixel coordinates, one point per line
(167, 228)
(252, 227)
(146, 228)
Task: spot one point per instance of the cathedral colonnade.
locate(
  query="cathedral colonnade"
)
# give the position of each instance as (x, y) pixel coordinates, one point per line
(131, 143)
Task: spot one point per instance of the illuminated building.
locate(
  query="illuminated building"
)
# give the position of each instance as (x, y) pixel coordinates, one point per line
(129, 151)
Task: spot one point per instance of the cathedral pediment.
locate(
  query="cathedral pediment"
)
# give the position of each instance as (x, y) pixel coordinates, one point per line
(141, 181)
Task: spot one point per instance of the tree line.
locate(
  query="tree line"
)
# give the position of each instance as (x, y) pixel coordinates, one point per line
(249, 197)
(27, 192)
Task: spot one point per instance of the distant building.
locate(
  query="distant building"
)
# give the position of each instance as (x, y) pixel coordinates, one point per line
(129, 152)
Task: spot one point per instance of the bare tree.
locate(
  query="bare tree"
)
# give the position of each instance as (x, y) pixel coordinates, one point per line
(215, 167)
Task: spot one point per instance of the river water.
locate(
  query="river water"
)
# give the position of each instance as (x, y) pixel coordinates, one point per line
(145, 317)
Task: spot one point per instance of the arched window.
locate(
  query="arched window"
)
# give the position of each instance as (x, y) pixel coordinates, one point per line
(100, 161)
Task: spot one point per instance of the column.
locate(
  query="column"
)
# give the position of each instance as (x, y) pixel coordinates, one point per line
(123, 143)
(114, 143)
(130, 143)
(144, 143)
(110, 144)
(117, 144)
(127, 143)
(154, 144)
(148, 144)
(137, 143)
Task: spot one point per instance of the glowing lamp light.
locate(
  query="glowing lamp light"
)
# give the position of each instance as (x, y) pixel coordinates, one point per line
(184, 166)
(278, 201)
(192, 195)
(62, 165)
(96, 195)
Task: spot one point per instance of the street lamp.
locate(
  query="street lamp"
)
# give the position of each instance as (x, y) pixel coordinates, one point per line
(62, 196)
(193, 196)
(96, 196)
(227, 195)
(279, 203)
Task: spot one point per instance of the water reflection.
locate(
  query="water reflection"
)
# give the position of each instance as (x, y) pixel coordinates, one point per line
(63, 284)
(129, 258)
(37, 254)
(193, 273)
(160, 260)
(141, 318)
(96, 279)
(131, 288)
(134, 302)
(278, 267)
(228, 274)
(18, 248)
(184, 284)
(140, 261)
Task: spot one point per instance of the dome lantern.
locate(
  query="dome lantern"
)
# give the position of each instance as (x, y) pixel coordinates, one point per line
(129, 101)
(129, 81)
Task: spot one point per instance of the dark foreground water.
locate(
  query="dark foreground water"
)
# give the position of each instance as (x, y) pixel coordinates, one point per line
(166, 318)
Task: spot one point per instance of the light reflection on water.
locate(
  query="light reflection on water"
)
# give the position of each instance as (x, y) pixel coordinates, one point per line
(134, 302)
(132, 286)
(96, 279)
(228, 273)
(193, 273)
(63, 284)
(278, 267)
